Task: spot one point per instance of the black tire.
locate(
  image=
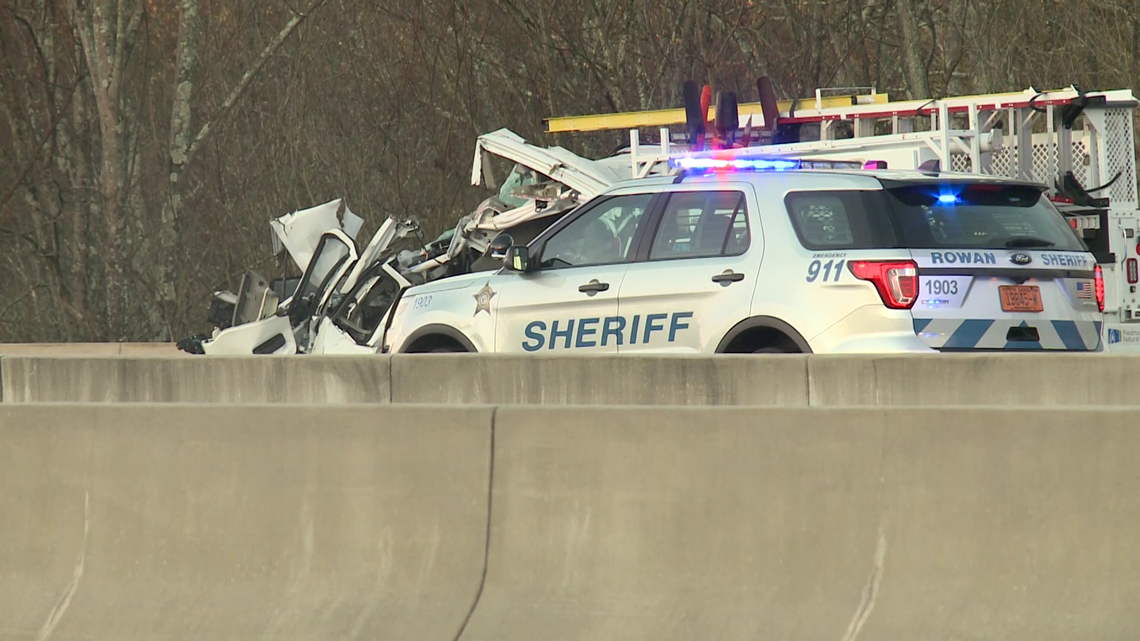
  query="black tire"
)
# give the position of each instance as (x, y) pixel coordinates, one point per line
(771, 350)
(446, 350)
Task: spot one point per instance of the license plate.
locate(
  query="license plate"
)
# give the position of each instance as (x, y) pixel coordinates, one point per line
(1020, 298)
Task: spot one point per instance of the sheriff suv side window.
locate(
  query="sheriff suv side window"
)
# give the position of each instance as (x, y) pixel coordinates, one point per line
(847, 219)
(700, 224)
(602, 235)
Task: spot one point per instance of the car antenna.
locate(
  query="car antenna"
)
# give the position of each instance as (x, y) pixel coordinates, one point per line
(932, 167)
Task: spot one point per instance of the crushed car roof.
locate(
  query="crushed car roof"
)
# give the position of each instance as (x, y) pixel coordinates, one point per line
(587, 177)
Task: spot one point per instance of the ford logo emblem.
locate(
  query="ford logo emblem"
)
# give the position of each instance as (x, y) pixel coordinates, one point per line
(1021, 259)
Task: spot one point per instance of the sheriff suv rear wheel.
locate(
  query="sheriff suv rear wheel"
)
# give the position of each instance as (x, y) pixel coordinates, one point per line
(436, 344)
(761, 339)
(772, 349)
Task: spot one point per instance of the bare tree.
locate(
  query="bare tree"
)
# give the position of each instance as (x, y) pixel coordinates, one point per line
(145, 143)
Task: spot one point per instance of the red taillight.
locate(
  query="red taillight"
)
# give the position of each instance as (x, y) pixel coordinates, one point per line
(896, 280)
(1099, 288)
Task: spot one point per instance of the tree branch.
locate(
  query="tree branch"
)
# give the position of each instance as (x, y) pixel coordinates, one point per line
(247, 79)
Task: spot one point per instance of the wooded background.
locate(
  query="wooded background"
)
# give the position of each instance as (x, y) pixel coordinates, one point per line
(145, 144)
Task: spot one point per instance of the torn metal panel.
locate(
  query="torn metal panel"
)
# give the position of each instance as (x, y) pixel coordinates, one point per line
(299, 232)
(272, 335)
(355, 323)
(587, 177)
(544, 183)
(331, 339)
(255, 299)
(388, 233)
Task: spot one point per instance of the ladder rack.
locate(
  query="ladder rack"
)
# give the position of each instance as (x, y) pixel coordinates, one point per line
(971, 134)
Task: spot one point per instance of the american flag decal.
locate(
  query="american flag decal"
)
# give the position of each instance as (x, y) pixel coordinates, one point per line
(1084, 289)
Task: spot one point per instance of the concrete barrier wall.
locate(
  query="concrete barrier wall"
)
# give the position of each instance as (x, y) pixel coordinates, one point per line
(975, 379)
(92, 349)
(679, 524)
(238, 522)
(210, 523)
(221, 379)
(728, 380)
(783, 381)
(812, 524)
(607, 380)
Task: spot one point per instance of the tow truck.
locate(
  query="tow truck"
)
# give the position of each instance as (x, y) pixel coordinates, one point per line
(1079, 143)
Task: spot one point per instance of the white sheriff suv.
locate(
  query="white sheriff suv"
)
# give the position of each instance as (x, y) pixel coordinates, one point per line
(765, 256)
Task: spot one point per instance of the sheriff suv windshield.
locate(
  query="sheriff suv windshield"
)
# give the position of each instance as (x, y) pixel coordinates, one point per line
(930, 215)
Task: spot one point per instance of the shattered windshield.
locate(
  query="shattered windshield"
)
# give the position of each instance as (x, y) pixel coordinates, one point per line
(519, 177)
(366, 305)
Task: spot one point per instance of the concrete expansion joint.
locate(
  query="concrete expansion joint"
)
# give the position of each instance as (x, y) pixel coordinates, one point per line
(60, 608)
(487, 539)
(870, 591)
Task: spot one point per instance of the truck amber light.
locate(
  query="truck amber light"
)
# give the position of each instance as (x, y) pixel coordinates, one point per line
(896, 280)
(1099, 288)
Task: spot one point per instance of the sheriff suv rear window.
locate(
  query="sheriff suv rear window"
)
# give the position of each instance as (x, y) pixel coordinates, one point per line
(979, 216)
(930, 216)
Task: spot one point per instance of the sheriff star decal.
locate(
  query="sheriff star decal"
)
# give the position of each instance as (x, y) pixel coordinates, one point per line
(483, 299)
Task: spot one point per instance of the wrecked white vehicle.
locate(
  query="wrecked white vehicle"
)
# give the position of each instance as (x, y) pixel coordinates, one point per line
(278, 317)
(340, 304)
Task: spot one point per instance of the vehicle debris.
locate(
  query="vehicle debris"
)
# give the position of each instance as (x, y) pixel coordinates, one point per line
(338, 303)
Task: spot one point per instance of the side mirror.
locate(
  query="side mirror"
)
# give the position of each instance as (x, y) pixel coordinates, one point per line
(518, 258)
(500, 245)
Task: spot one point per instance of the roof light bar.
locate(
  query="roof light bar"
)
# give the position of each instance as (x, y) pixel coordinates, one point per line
(734, 164)
(745, 163)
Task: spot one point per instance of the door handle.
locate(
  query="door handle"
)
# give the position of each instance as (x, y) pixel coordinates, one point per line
(593, 287)
(728, 277)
